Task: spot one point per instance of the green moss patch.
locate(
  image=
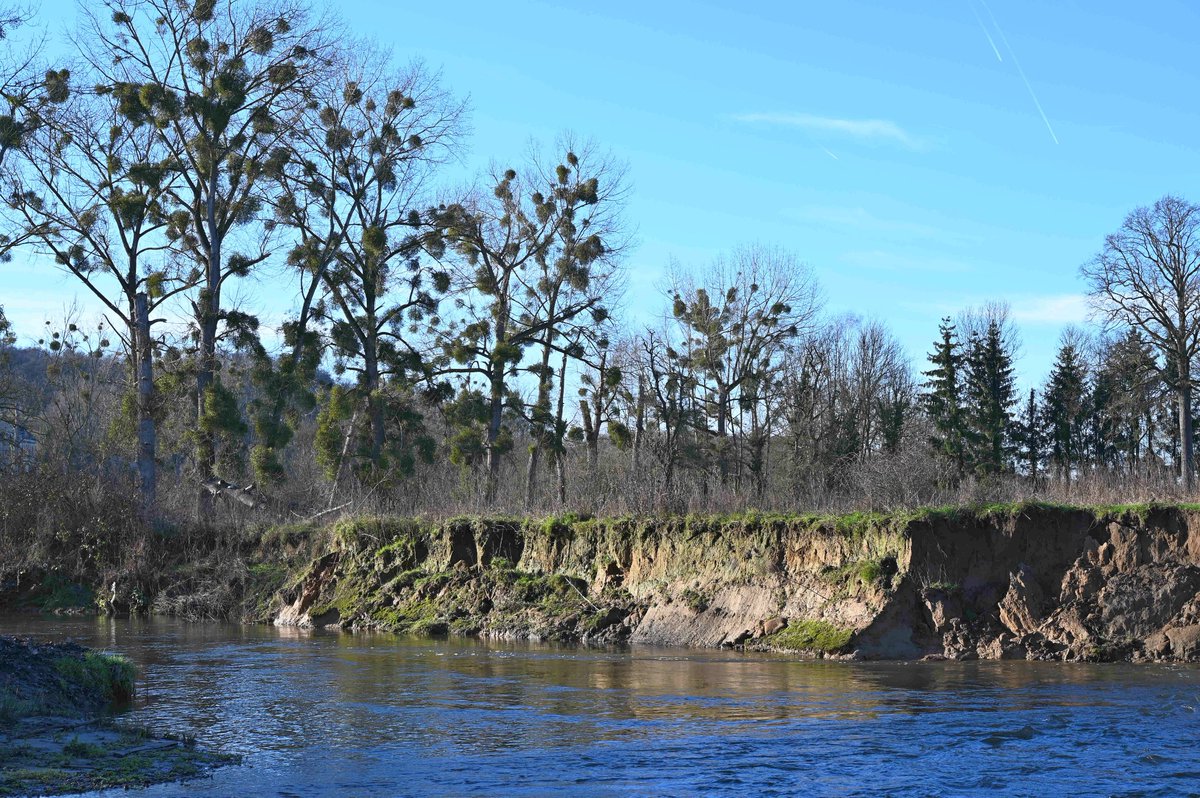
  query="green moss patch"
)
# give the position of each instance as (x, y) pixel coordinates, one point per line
(810, 636)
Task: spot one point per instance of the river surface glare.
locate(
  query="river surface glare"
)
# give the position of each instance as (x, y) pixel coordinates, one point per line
(326, 714)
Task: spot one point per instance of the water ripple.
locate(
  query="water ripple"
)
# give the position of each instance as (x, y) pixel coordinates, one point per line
(319, 715)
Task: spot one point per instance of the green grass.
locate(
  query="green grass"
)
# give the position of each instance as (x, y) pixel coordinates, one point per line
(108, 675)
(63, 594)
(13, 708)
(83, 750)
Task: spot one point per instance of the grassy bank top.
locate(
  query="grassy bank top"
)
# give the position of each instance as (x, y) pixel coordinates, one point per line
(359, 531)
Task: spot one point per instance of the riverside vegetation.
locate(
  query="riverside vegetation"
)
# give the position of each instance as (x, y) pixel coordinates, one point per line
(454, 350)
(1023, 581)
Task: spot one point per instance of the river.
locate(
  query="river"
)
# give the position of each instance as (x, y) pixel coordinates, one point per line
(328, 714)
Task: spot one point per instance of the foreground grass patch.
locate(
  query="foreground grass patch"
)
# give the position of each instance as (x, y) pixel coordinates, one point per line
(109, 675)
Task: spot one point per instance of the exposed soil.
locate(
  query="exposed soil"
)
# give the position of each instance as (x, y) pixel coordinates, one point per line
(1020, 581)
(1028, 582)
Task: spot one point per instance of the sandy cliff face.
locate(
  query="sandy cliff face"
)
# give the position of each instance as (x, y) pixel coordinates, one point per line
(1024, 582)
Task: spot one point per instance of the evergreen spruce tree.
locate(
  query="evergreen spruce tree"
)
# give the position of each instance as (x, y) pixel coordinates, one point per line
(1100, 426)
(1066, 409)
(1029, 437)
(990, 396)
(1133, 387)
(943, 398)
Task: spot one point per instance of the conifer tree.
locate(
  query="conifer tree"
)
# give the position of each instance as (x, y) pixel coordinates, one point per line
(1099, 430)
(1066, 408)
(1029, 437)
(943, 398)
(1129, 369)
(990, 397)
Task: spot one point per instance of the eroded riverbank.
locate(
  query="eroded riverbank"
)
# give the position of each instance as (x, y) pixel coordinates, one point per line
(1023, 582)
(1008, 582)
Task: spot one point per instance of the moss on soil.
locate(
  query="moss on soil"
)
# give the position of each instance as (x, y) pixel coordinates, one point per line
(810, 636)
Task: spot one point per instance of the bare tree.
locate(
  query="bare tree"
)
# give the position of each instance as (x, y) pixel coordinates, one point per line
(591, 239)
(1147, 276)
(92, 193)
(523, 275)
(738, 321)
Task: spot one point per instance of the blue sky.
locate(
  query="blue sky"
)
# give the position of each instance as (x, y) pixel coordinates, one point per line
(898, 148)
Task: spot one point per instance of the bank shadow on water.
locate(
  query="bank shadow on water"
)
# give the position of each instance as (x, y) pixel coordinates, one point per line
(324, 713)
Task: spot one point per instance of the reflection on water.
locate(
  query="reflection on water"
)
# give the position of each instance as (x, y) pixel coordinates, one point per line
(323, 714)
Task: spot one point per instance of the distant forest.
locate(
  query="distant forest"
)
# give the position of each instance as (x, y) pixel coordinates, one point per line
(463, 350)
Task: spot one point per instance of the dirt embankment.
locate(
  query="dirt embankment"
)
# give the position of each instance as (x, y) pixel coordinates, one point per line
(1015, 582)
(1057, 584)
(1024, 581)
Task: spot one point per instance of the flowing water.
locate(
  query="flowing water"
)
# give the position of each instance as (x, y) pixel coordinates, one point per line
(326, 714)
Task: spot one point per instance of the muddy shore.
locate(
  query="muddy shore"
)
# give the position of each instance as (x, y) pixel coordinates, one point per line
(58, 733)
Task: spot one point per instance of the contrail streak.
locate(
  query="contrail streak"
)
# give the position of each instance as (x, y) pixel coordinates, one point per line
(1020, 71)
(830, 154)
(983, 28)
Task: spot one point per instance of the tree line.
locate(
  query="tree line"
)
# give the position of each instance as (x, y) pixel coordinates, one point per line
(454, 348)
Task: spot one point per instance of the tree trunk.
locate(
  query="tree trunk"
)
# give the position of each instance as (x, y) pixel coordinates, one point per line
(560, 462)
(541, 411)
(496, 402)
(639, 424)
(341, 464)
(1187, 459)
(210, 310)
(374, 405)
(591, 435)
(531, 472)
(147, 435)
(722, 431)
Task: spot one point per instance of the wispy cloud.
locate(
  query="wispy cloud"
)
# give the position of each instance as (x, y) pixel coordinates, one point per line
(885, 260)
(860, 220)
(866, 130)
(1053, 309)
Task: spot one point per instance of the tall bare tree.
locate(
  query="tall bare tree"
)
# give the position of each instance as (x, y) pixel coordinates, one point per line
(93, 194)
(591, 239)
(738, 320)
(1147, 276)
